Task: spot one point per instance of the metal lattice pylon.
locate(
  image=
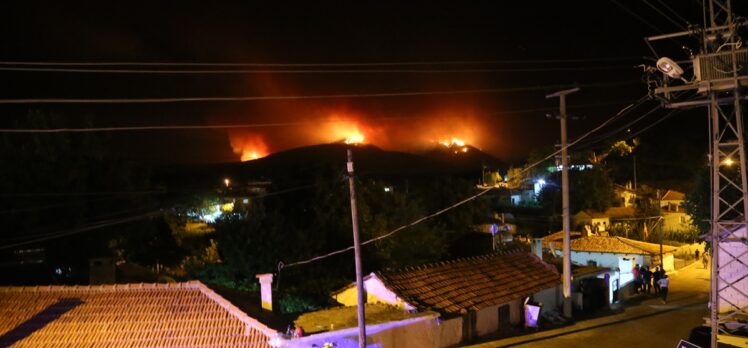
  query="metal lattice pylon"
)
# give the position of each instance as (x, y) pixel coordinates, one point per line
(729, 281)
(729, 272)
(720, 72)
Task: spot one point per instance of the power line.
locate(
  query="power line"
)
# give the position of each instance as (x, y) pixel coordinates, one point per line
(97, 193)
(107, 223)
(289, 97)
(663, 118)
(349, 64)
(623, 127)
(308, 71)
(674, 12)
(250, 125)
(637, 16)
(101, 218)
(680, 26)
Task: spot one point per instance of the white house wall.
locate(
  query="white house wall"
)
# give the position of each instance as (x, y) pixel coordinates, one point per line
(487, 320)
(424, 332)
(376, 292)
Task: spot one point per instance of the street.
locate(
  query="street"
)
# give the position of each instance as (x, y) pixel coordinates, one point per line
(646, 323)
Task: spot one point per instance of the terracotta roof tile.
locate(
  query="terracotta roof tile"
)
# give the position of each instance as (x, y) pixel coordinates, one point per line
(125, 315)
(471, 283)
(609, 244)
(672, 195)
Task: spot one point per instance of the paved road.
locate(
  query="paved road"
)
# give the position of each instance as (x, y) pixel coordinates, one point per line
(646, 324)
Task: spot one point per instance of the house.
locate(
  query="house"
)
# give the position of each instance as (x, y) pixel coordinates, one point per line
(473, 296)
(617, 253)
(603, 221)
(152, 315)
(625, 195)
(674, 216)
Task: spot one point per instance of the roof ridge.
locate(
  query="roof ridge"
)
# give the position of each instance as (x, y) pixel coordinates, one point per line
(232, 309)
(192, 284)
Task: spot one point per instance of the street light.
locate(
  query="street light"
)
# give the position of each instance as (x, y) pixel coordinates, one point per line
(669, 67)
(728, 162)
(227, 182)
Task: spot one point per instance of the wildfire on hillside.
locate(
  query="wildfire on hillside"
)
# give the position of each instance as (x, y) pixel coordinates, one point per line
(453, 130)
(248, 146)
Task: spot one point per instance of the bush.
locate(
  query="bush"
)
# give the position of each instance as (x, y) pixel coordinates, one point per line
(221, 275)
(296, 304)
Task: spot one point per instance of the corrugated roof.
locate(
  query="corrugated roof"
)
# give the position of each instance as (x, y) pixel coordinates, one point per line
(472, 283)
(125, 315)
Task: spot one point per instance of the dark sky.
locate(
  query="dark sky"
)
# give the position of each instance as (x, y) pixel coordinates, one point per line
(604, 41)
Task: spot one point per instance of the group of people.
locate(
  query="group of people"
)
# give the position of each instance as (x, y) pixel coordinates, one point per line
(646, 280)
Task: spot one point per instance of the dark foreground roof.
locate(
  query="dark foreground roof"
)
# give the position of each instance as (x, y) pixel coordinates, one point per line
(125, 315)
(472, 283)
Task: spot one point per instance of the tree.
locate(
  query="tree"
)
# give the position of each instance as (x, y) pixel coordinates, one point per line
(61, 182)
(588, 189)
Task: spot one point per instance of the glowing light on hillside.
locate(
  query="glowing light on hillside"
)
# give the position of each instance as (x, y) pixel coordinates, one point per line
(249, 147)
(355, 138)
(250, 155)
(452, 142)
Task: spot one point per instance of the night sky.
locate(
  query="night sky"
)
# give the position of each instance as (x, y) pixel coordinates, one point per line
(594, 44)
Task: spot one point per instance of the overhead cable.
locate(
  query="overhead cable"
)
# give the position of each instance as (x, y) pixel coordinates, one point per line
(289, 97)
(308, 64)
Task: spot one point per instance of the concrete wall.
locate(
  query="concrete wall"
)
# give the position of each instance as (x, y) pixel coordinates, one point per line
(549, 298)
(605, 259)
(487, 320)
(423, 332)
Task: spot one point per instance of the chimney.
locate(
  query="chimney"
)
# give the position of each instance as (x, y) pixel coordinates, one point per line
(537, 247)
(266, 292)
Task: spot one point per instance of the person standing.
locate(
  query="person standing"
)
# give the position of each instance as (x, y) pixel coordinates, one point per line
(656, 275)
(664, 285)
(637, 277)
(647, 280)
(705, 259)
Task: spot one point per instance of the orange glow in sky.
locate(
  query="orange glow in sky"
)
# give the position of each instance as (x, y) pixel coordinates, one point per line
(249, 147)
(355, 138)
(453, 128)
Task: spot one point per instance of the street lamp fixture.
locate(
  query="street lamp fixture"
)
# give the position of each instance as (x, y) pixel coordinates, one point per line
(226, 182)
(670, 68)
(728, 162)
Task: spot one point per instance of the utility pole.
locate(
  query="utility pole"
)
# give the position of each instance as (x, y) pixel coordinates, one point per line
(565, 200)
(719, 78)
(357, 253)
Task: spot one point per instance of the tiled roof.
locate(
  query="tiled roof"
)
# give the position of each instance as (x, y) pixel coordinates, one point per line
(620, 212)
(651, 248)
(672, 195)
(616, 245)
(125, 315)
(472, 283)
(612, 212)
